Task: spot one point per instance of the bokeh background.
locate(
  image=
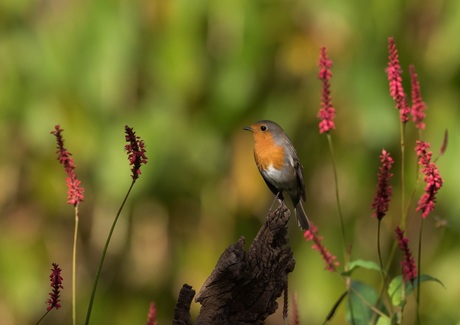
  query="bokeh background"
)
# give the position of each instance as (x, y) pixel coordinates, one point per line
(188, 75)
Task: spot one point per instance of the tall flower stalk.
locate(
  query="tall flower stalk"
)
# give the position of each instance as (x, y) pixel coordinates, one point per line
(136, 156)
(326, 115)
(383, 196)
(74, 197)
(418, 116)
(380, 206)
(394, 72)
(433, 183)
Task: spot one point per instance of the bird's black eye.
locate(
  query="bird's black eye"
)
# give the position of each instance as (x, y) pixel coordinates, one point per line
(263, 128)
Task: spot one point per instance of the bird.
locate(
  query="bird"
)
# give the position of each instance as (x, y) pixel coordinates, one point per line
(277, 161)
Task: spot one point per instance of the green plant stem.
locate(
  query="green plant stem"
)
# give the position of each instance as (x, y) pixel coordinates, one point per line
(350, 308)
(379, 251)
(74, 267)
(419, 262)
(383, 271)
(403, 208)
(337, 196)
(385, 279)
(346, 253)
(43, 317)
(104, 252)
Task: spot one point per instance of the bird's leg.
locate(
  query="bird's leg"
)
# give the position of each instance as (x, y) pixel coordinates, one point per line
(277, 197)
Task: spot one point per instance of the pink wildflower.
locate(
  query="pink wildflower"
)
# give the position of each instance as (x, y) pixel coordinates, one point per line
(329, 259)
(152, 316)
(56, 284)
(418, 105)
(136, 151)
(327, 111)
(394, 77)
(409, 269)
(433, 180)
(384, 191)
(423, 155)
(295, 311)
(75, 191)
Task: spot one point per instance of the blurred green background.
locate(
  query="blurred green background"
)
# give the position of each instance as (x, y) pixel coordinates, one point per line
(188, 75)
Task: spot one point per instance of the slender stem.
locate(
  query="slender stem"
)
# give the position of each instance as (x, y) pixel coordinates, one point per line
(379, 251)
(418, 314)
(346, 253)
(337, 196)
(419, 262)
(74, 267)
(350, 308)
(42, 317)
(383, 271)
(104, 252)
(403, 208)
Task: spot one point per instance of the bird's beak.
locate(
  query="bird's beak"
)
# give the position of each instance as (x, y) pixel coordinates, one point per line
(247, 128)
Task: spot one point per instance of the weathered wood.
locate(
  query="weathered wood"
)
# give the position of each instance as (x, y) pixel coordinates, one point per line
(244, 286)
(182, 310)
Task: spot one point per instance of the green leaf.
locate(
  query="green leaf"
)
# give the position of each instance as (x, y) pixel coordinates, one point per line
(398, 295)
(395, 291)
(425, 278)
(383, 320)
(361, 297)
(369, 265)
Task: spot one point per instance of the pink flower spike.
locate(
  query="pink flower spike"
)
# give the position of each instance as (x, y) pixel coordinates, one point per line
(329, 259)
(152, 316)
(75, 190)
(409, 269)
(418, 105)
(423, 155)
(394, 78)
(433, 180)
(295, 311)
(327, 112)
(56, 284)
(384, 191)
(136, 152)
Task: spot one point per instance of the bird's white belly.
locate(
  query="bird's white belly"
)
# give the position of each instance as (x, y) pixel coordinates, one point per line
(281, 178)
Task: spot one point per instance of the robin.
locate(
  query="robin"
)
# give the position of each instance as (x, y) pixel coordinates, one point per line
(279, 165)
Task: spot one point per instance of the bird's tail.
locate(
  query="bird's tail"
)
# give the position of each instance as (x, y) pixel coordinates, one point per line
(302, 219)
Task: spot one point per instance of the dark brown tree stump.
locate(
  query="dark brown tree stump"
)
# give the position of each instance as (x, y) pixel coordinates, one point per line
(244, 286)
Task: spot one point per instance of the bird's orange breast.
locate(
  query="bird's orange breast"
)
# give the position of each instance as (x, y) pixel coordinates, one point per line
(267, 152)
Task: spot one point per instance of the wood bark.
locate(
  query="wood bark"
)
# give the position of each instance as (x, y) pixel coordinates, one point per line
(244, 285)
